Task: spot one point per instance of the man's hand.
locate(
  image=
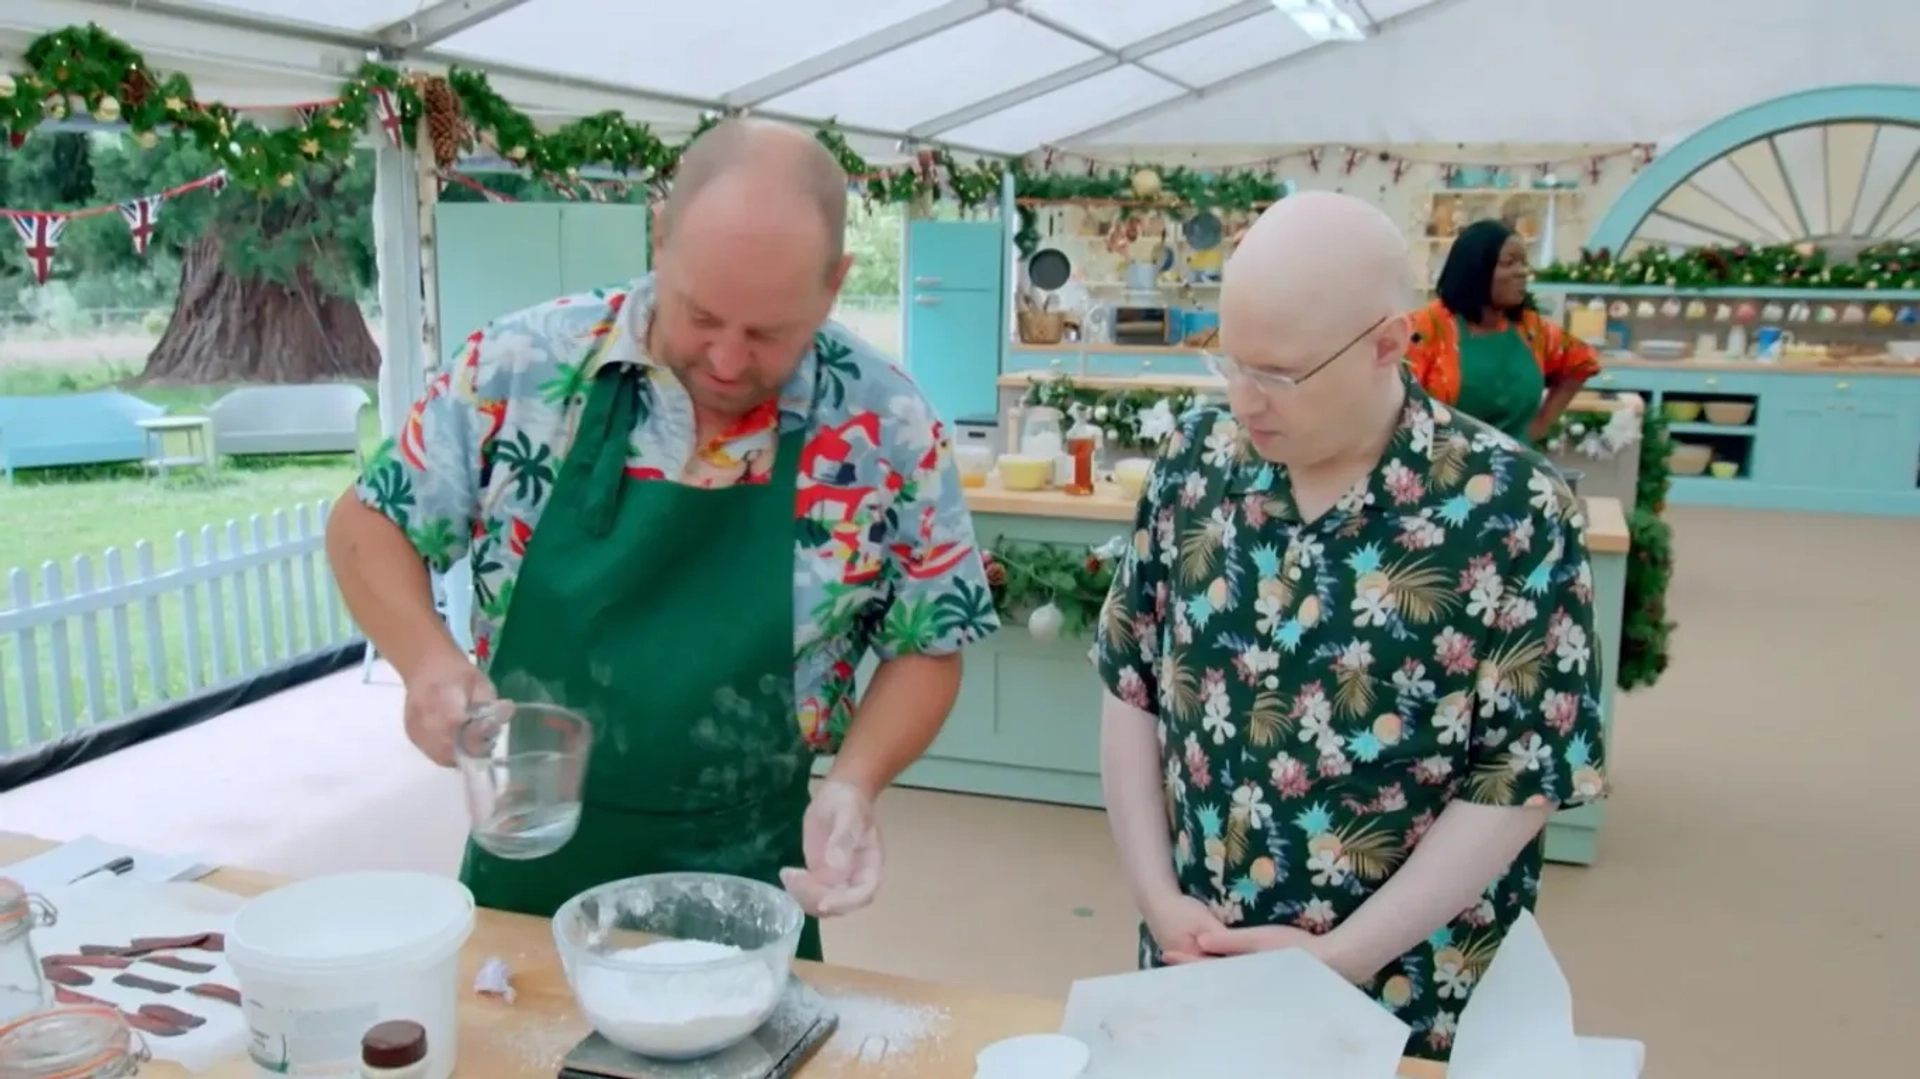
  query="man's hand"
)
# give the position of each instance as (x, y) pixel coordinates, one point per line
(841, 836)
(1179, 925)
(440, 694)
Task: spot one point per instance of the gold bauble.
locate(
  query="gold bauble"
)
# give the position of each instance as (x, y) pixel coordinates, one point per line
(7, 85)
(286, 179)
(147, 140)
(175, 104)
(517, 153)
(108, 110)
(1146, 183)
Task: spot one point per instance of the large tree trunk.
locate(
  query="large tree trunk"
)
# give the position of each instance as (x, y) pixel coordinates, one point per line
(226, 328)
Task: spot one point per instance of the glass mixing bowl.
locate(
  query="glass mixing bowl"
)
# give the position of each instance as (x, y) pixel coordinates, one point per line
(653, 998)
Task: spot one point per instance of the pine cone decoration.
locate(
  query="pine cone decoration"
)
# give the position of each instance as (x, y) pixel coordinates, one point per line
(445, 127)
(135, 88)
(996, 573)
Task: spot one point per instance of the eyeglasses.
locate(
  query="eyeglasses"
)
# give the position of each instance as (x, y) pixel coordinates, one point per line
(1227, 367)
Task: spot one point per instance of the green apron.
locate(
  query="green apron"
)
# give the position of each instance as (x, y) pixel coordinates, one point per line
(1500, 380)
(664, 614)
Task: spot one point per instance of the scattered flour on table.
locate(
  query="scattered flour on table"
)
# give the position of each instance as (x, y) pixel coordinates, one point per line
(540, 1047)
(680, 1011)
(880, 1031)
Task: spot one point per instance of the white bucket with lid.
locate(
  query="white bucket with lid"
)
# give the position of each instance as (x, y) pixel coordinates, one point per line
(322, 961)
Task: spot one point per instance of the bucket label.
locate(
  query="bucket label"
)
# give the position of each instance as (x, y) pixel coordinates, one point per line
(308, 1041)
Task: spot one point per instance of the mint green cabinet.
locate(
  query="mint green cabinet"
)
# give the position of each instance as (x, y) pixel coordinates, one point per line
(492, 259)
(1819, 442)
(956, 313)
(951, 359)
(1839, 440)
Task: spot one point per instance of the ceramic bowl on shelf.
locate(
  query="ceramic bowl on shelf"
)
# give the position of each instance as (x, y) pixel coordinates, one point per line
(1020, 472)
(1724, 470)
(1729, 413)
(1681, 411)
(1688, 459)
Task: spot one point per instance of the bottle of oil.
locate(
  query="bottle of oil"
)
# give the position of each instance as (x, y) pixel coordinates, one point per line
(1083, 443)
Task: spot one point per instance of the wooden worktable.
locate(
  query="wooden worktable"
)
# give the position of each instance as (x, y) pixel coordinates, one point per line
(1606, 520)
(528, 1038)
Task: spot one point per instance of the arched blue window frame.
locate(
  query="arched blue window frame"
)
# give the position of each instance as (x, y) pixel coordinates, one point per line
(1866, 103)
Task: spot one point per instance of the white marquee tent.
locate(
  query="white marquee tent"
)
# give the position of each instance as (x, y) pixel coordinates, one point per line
(1008, 76)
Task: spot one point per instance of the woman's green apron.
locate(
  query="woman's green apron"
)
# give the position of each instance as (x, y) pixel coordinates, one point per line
(664, 614)
(1500, 380)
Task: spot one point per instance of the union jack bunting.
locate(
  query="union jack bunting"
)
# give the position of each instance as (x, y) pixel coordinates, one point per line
(388, 111)
(41, 234)
(141, 215)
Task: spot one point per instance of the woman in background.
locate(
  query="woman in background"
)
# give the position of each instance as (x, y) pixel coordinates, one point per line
(1482, 346)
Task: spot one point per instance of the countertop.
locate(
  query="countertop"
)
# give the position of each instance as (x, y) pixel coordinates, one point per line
(1861, 365)
(1585, 401)
(527, 1039)
(1606, 519)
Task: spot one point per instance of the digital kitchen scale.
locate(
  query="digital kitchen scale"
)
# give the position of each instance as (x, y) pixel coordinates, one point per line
(799, 1026)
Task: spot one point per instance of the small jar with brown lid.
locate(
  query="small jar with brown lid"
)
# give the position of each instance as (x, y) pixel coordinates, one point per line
(394, 1050)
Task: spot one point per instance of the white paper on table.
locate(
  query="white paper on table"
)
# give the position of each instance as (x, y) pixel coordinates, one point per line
(1279, 1015)
(1519, 1022)
(115, 910)
(58, 868)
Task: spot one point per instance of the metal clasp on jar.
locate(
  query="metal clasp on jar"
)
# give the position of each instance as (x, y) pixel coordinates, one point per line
(22, 911)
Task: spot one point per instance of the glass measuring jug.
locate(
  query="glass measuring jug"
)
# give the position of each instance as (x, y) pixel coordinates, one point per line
(524, 765)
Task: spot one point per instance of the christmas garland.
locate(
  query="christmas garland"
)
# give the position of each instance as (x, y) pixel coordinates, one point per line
(1055, 586)
(87, 68)
(1137, 187)
(1646, 633)
(1645, 630)
(1597, 435)
(1129, 419)
(1884, 266)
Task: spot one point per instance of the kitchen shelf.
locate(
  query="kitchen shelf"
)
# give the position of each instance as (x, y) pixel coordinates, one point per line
(1559, 288)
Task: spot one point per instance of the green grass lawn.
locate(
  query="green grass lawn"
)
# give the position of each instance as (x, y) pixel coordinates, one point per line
(51, 516)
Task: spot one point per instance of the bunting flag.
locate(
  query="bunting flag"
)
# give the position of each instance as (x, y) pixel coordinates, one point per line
(141, 215)
(41, 230)
(390, 119)
(41, 233)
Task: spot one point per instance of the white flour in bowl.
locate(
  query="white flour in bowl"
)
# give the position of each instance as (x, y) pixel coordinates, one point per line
(677, 1013)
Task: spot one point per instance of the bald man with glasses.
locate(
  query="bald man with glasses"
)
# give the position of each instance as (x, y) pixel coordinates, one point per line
(1349, 657)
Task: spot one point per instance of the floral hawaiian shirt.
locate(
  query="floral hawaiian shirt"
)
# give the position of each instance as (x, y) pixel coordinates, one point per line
(884, 552)
(1325, 688)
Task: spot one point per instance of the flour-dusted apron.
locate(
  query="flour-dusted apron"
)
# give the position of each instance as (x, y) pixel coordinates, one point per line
(664, 614)
(1500, 380)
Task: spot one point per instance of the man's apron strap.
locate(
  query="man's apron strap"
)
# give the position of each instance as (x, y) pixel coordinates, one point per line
(620, 407)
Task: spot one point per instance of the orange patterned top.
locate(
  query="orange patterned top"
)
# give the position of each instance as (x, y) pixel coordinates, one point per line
(1434, 354)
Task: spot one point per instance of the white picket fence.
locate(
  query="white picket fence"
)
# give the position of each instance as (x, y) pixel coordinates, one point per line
(104, 640)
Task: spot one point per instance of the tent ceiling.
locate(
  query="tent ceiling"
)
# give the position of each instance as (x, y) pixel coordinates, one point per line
(999, 76)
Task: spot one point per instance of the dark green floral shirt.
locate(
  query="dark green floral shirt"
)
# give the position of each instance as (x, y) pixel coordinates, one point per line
(1324, 689)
